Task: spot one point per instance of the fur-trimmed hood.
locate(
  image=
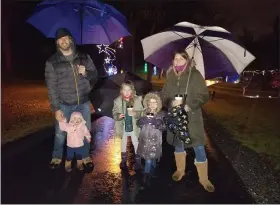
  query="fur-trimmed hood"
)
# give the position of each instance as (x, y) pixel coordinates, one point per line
(152, 95)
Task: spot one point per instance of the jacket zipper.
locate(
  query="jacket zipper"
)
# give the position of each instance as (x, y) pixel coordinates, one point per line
(77, 91)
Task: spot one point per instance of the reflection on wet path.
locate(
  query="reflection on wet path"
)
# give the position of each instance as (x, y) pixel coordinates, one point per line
(106, 149)
(30, 180)
(104, 184)
(107, 184)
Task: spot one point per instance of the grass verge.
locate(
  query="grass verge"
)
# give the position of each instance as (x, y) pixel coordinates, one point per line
(253, 122)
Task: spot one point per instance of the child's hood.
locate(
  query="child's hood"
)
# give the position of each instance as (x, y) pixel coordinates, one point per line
(152, 95)
(78, 115)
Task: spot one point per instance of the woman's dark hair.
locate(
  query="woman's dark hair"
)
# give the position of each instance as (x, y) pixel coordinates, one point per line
(183, 53)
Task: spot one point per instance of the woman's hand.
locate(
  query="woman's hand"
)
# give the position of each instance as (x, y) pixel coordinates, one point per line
(187, 108)
(175, 103)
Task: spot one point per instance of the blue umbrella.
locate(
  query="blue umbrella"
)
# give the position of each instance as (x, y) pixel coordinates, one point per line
(89, 21)
(214, 50)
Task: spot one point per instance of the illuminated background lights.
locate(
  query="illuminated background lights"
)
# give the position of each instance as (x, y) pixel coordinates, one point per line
(109, 60)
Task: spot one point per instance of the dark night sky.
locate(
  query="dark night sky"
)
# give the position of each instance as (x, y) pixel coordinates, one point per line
(257, 16)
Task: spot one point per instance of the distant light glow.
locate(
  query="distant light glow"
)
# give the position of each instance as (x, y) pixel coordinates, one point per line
(120, 43)
(155, 70)
(211, 82)
(145, 67)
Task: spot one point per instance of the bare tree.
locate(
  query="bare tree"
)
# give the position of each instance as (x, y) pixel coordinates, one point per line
(151, 17)
(156, 16)
(6, 43)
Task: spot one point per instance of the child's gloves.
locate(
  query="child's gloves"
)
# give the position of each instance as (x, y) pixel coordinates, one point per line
(145, 120)
(152, 121)
(159, 124)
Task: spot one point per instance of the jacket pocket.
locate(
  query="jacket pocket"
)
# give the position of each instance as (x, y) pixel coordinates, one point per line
(118, 129)
(195, 115)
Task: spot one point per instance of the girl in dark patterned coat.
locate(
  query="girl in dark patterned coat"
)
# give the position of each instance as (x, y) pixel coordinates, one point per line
(150, 137)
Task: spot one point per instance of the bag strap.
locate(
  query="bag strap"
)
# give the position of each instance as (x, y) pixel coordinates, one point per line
(188, 82)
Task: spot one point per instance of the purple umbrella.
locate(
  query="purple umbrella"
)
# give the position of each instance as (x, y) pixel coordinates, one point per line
(214, 50)
(90, 21)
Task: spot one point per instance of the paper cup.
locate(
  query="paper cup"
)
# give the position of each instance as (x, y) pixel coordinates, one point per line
(129, 110)
(179, 99)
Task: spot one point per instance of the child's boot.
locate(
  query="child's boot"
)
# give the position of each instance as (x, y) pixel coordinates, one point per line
(146, 181)
(80, 165)
(153, 172)
(68, 166)
(124, 159)
(88, 162)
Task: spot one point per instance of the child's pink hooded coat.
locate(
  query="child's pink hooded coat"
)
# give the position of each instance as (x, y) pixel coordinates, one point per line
(75, 133)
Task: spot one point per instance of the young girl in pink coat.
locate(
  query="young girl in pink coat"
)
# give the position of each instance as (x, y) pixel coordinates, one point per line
(76, 132)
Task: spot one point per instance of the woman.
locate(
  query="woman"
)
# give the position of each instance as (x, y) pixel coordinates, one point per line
(181, 78)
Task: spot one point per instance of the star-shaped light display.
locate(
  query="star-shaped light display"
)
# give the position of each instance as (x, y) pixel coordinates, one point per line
(107, 60)
(102, 48)
(108, 65)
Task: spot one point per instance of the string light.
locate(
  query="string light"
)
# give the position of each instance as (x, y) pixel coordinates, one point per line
(108, 65)
(155, 70)
(120, 43)
(146, 68)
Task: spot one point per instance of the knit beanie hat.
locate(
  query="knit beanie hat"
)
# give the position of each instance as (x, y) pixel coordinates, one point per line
(61, 32)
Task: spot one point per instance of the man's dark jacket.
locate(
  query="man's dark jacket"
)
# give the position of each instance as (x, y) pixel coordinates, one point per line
(65, 85)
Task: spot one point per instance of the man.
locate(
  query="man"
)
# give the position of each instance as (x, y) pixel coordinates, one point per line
(68, 74)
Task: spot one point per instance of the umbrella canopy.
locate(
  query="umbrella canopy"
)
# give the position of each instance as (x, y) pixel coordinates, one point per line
(90, 21)
(108, 88)
(214, 50)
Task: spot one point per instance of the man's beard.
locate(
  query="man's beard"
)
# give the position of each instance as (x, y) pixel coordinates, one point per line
(65, 48)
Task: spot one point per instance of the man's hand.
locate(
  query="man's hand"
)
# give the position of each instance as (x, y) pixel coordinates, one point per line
(59, 116)
(81, 69)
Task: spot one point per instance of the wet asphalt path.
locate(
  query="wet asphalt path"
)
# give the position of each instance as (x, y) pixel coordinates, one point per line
(27, 179)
